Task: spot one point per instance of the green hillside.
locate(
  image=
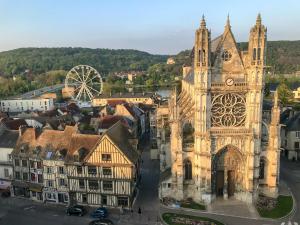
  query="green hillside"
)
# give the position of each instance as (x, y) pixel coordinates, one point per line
(41, 60)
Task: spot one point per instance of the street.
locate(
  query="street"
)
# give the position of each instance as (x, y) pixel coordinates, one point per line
(15, 211)
(18, 211)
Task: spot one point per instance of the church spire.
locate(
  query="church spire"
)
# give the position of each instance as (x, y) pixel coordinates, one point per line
(258, 20)
(203, 23)
(227, 26)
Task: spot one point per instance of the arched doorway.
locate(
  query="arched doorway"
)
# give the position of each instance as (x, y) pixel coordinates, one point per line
(227, 172)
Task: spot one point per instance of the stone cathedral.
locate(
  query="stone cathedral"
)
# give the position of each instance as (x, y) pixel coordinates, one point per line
(223, 144)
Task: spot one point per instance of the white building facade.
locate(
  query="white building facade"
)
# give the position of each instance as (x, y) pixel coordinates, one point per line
(23, 105)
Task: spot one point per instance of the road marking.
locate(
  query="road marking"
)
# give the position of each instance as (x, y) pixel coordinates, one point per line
(30, 207)
(289, 223)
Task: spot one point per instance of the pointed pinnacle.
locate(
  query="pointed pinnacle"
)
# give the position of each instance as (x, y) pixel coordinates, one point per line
(203, 23)
(258, 19)
(228, 22)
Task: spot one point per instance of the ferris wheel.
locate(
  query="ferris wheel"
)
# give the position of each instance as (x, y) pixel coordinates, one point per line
(85, 83)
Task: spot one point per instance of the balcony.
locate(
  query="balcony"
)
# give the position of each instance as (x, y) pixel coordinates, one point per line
(6, 163)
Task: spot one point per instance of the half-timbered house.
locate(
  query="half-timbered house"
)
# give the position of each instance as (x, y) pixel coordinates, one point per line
(104, 171)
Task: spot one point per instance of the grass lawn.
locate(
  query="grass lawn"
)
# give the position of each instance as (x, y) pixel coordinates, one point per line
(193, 205)
(283, 207)
(168, 218)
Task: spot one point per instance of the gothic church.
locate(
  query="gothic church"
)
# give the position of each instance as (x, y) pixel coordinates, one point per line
(222, 142)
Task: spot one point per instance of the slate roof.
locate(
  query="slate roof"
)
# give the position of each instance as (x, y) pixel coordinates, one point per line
(9, 139)
(293, 124)
(165, 175)
(189, 77)
(267, 105)
(119, 134)
(215, 43)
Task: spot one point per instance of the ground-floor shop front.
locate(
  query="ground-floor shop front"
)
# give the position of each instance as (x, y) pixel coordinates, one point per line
(56, 196)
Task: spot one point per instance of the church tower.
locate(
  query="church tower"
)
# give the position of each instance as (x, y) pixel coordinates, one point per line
(202, 76)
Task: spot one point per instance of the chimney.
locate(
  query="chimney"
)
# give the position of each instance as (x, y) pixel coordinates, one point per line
(22, 129)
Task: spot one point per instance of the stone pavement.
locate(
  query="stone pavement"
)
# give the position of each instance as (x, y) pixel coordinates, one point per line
(233, 207)
(147, 198)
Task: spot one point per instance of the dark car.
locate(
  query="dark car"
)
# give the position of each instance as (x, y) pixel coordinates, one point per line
(5, 193)
(100, 212)
(101, 222)
(77, 210)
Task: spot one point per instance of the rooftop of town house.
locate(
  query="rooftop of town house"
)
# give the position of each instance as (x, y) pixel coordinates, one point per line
(109, 120)
(127, 95)
(9, 138)
(13, 124)
(120, 135)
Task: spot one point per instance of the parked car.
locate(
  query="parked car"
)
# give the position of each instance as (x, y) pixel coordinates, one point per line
(78, 210)
(100, 212)
(101, 222)
(5, 193)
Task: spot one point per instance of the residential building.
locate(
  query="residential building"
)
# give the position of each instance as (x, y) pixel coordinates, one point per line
(290, 138)
(297, 94)
(105, 171)
(135, 98)
(136, 115)
(69, 167)
(170, 61)
(8, 139)
(23, 105)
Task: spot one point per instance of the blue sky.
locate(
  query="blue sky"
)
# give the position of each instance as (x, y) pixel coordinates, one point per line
(156, 26)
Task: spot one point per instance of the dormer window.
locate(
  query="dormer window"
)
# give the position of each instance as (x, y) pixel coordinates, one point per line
(80, 154)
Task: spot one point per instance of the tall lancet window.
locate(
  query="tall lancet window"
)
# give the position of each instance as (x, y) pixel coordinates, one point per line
(254, 54)
(200, 56)
(258, 53)
(262, 168)
(203, 58)
(188, 170)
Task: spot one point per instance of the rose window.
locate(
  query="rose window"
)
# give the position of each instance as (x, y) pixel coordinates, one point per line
(226, 55)
(228, 110)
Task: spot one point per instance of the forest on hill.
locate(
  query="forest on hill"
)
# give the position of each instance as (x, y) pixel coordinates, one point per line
(42, 60)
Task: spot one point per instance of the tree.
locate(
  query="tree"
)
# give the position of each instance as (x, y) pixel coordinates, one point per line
(285, 94)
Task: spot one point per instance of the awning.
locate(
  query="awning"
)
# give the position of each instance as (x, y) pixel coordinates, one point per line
(4, 185)
(20, 184)
(35, 187)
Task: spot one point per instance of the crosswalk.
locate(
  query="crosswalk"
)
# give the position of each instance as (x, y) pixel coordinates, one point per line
(289, 223)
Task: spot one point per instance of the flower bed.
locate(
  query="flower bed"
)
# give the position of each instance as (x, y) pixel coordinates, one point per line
(281, 207)
(181, 219)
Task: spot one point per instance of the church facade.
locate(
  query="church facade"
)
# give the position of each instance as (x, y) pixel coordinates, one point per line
(222, 143)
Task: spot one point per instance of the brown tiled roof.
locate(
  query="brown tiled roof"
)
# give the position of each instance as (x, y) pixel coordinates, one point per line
(113, 103)
(47, 139)
(13, 124)
(3, 115)
(86, 141)
(109, 120)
